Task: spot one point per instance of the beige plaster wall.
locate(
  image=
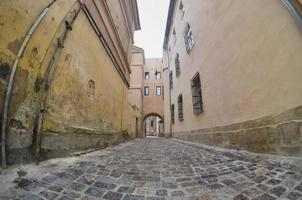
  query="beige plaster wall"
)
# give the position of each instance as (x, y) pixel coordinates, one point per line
(248, 54)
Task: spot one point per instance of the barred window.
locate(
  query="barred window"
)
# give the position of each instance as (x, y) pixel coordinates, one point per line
(189, 41)
(196, 95)
(171, 80)
(177, 65)
(180, 108)
(172, 114)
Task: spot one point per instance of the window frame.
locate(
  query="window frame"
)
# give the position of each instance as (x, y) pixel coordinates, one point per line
(158, 87)
(189, 38)
(177, 65)
(158, 77)
(180, 108)
(147, 92)
(172, 109)
(197, 101)
(147, 75)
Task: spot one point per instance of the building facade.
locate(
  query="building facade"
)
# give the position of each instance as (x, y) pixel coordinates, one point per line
(235, 74)
(153, 91)
(64, 76)
(136, 90)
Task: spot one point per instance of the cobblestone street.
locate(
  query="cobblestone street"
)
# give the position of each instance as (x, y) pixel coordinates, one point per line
(157, 169)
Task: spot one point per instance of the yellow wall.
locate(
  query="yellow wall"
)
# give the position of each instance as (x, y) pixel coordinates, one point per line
(72, 103)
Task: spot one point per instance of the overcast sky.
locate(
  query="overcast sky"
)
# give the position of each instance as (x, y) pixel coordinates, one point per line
(153, 16)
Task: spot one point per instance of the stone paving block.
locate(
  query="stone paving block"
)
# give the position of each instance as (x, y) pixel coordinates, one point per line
(133, 197)
(55, 188)
(294, 195)
(87, 179)
(265, 197)
(177, 193)
(113, 196)
(49, 195)
(240, 197)
(278, 191)
(95, 191)
(71, 194)
(103, 185)
(126, 189)
(33, 197)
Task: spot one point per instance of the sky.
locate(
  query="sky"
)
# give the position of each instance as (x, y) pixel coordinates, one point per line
(153, 17)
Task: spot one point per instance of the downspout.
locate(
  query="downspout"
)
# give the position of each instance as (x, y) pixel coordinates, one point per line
(295, 12)
(170, 98)
(49, 77)
(11, 81)
(143, 97)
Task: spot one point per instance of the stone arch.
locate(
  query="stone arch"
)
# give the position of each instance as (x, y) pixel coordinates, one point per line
(161, 133)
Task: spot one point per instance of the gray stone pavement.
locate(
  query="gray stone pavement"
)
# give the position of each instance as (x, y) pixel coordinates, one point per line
(157, 169)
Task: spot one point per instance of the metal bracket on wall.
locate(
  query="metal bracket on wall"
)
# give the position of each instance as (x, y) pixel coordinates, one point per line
(292, 7)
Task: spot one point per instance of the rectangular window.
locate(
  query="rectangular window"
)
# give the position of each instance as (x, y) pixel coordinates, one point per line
(172, 114)
(146, 91)
(158, 75)
(180, 108)
(171, 80)
(182, 9)
(147, 75)
(158, 90)
(189, 38)
(174, 37)
(177, 65)
(196, 95)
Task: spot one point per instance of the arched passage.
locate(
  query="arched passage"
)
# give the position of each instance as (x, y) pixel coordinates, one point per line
(153, 125)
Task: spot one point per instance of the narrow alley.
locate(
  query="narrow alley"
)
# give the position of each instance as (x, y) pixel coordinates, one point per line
(150, 100)
(158, 169)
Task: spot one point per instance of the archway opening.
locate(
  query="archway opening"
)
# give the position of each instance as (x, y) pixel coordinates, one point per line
(153, 126)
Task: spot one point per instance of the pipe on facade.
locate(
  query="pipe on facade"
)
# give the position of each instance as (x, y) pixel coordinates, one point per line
(49, 76)
(295, 12)
(11, 81)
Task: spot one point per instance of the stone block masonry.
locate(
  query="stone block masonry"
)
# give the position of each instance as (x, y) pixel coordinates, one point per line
(276, 134)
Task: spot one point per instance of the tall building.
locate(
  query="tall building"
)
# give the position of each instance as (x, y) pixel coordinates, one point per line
(136, 90)
(153, 96)
(234, 74)
(70, 90)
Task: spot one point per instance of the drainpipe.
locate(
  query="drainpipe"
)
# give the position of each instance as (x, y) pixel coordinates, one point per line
(49, 77)
(170, 98)
(295, 12)
(11, 81)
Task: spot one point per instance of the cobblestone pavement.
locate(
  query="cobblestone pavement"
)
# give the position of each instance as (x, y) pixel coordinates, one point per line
(160, 169)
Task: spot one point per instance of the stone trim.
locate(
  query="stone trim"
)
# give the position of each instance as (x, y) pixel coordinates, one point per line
(275, 134)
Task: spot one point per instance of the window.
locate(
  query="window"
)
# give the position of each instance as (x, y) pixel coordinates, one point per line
(158, 90)
(171, 80)
(146, 91)
(172, 114)
(158, 75)
(182, 9)
(180, 108)
(147, 75)
(152, 123)
(174, 36)
(188, 38)
(196, 95)
(177, 65)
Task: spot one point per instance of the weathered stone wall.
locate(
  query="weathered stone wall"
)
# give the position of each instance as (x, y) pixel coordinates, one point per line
(276, 134)
(87, 101)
